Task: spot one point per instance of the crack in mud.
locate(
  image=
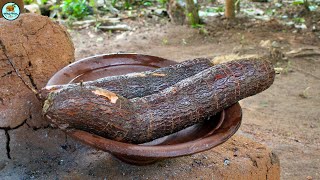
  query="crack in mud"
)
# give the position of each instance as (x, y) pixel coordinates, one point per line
(20, 25)
(1, 101)
(7, 73)
(254, 162)
(30, 75)
(33, 89)
(29, 64)
(15, 69)
(32, 81)
(6, 130)
(34, 128)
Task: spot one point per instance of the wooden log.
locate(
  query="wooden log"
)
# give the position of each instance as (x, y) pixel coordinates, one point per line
(190, 101)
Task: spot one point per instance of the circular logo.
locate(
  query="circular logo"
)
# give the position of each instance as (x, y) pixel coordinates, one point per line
(10, 11)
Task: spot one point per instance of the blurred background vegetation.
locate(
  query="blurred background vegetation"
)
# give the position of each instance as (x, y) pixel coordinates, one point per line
(192, 12)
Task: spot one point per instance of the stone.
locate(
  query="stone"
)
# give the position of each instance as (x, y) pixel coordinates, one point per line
(35, 47)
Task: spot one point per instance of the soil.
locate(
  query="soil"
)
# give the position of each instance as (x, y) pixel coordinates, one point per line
(286, 117)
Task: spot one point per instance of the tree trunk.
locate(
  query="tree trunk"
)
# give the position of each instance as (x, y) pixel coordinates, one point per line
(230, 9)
(192, 13)
(190, 101)
(176, 12)
(237, 4)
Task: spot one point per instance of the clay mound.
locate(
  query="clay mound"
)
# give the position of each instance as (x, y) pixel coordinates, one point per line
(36, 48)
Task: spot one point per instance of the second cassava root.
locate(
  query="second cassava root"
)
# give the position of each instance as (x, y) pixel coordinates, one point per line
(142, 119)
(141, 84)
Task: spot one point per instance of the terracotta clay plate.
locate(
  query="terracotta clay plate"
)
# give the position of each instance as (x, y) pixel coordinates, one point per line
(194, 139)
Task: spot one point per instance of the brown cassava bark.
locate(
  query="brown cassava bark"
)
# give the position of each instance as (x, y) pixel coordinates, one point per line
(137, 120)
(144, 83)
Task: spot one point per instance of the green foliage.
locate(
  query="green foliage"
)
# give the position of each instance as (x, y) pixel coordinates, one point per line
(28, 1)
(197, 26)
(114, 2)
(148, 3)
(310, 6)
(75, 9)
(42, 1)
(270, 12)
(131, 4)
(92, 3)
(298, 2)
(162, 2)
(35, 1)
(202, 29)
(215, 9)
(128, 4)
(165, 41)
(299, 20)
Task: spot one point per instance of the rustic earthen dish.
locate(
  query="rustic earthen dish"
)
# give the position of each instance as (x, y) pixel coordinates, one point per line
(194, 139)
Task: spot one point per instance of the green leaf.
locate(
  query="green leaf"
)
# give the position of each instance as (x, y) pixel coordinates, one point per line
(298, 2)
(299, 20)
(92, 3)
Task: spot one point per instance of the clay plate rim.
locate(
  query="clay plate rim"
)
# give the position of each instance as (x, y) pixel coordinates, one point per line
(72, 71)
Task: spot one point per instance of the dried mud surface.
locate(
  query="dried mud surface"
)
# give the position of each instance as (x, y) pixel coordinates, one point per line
(32, 49)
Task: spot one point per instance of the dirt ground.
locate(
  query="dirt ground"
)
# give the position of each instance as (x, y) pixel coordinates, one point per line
(286, 117)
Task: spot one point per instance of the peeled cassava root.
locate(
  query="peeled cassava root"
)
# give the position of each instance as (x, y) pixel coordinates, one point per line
(142, 119)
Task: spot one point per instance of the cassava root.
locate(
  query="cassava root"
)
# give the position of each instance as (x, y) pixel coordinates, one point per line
(143, 83)
(143, 119)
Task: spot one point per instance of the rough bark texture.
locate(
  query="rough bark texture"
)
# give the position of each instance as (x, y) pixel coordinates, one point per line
(34, 47)
(176, 11)
(192, 12)
(230, 9)
(143, 83)
(142, 119)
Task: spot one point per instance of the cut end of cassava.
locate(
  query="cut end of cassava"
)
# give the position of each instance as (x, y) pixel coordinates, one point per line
(158, 74)
(112, 97)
